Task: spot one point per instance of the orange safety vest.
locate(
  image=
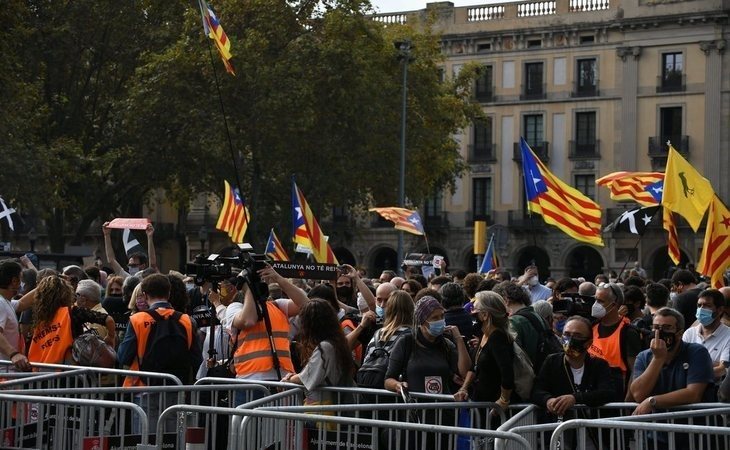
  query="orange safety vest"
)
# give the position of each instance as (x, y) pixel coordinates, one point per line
(142, 322)
(357, 351)
(52, 341)
(253, 354)
(609, 348)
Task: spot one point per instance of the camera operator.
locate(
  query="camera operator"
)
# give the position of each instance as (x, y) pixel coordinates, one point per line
(220, 300)
(254, 358)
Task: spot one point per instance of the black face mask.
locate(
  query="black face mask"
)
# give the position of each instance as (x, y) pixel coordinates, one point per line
(344, 292)
(669, 338)
(575, 343)
(630, 309)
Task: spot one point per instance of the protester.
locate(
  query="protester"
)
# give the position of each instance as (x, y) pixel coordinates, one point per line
(11, 341)
(411, 287)
(324, 352)
(531, 282)
(711, 332)
(88, 295)
(137, 261)
(491, 378)
(382, 293)
(454, 299)
(398, 321)
(684, 287)
(521, 317)
(57, 322)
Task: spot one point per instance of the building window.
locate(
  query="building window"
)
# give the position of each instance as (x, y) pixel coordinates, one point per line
(481, 198)
(534, 130)
(587, 78)
(672, 72)
(481, 149)
(585, 134)
(484, 84)
(433, 206)
(671, 125)
(534, 87)
(587, 185)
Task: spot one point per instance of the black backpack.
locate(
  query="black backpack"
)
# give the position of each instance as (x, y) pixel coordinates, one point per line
(371, 373)
(167, 349)
(547, 342)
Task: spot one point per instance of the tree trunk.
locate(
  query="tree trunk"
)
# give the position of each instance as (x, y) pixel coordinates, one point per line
(56, 237)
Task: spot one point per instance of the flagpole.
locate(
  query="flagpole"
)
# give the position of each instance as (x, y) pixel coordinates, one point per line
(529, 211)
(428, 249)
(225, 125)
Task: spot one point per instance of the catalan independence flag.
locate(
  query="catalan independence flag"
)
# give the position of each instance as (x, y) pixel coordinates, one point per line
(645, 188)
(274, 249)
(213, 29)
(559, 204)
(320, 248)
(490, 260)
(669, 223)
(299, 227)
(404, 219)
(234, 216)
(715, 257)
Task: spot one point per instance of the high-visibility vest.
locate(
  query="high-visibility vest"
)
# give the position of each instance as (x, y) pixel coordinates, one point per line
(253, 354)
(52, 341)
(357, 351)
(609, 347)
(142, 322)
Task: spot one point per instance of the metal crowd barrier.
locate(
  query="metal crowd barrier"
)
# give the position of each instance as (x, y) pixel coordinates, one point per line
(646, 435)
(64, 423)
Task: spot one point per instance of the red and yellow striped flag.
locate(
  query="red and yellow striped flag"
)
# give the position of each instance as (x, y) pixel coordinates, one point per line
(234, 216)
(320, 248)
(274, 249)
(213, 29)
(645, 188)
(670, 225)
(715, 257)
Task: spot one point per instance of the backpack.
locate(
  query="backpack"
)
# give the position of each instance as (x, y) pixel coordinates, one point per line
(372, 371)
(167, 349)
(547, 342)
(524, 375)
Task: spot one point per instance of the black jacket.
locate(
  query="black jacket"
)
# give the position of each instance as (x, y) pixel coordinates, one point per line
(556, 379)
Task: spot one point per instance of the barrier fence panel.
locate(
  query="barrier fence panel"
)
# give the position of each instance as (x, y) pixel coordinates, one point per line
(646, 435)
(63, 423)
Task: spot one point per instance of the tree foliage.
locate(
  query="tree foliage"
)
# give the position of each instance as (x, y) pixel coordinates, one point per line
(112, 99)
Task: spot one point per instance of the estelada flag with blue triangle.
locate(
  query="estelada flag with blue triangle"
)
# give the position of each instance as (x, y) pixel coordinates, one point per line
(490, 260)
(274, 249)
(310, 230)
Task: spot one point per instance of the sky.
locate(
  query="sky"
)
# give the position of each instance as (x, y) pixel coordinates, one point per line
(385, 6)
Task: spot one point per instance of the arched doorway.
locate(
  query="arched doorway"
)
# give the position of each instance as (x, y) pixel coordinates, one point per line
(584, 261)
(662, 266)
(533, 255)
(344, 256)
(384, 258)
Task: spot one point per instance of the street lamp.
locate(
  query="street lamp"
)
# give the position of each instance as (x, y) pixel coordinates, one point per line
(404, 48)
(203, 236)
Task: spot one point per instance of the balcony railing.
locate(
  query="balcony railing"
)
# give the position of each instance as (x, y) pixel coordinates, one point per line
(533, 92)
(658, 147)
(671, 82)
(484, 95)
(482, 153)
(585, 91)
(487, 216)
(436, 220)
(520, 220)
(585, 149)
(540, 150)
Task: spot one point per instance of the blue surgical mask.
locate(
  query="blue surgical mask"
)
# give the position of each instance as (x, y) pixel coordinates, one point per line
(436, 328)
(379, 311)
(705, 316)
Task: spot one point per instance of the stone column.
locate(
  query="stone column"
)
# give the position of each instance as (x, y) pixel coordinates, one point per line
(626, 148)
(713, 111)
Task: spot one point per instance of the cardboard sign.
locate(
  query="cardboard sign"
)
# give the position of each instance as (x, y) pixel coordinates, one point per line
(132, 224)
(313, 271)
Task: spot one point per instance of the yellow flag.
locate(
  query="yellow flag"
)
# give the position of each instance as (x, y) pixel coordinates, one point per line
(686, 192)
(715, 257)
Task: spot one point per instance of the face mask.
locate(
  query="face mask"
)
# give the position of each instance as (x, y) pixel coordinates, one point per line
(598, 311)
(574, 346)
(705, 316)
(22, 288)
(436, 328)
(379, 311)
(534, 281)
(344, 292)
(142, 305)
(189, 286)
(559, 325)
(340, 314)
(673, 297)
(133, 270)
(669, 338)
(224, 291)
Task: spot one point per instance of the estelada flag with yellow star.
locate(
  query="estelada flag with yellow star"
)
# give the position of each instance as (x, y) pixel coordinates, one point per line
(321, 250)
(715, 257)
(686, 192)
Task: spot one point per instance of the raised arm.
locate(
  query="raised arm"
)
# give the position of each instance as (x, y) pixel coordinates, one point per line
(150, 231)
(109, 250)
(298, 298)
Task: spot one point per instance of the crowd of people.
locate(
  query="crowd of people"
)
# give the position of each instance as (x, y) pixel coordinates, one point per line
(660, 344)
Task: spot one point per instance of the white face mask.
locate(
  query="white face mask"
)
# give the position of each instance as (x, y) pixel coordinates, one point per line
(133, 270)
(189, 286)
(598, 311)
(340, 314)
(673, 297)
(534, 281)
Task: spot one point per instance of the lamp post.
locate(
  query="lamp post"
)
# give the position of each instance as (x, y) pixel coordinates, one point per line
(32, 236)
(404, 54)
(203, 236)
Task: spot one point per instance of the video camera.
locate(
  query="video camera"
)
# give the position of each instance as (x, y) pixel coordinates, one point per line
(574, 304)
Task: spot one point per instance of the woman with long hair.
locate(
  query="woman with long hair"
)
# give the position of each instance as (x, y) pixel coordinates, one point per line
(57, 322)
(492, 376)
(398, 321)
(325, 355)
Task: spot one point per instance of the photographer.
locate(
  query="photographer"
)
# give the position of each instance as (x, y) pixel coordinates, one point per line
(254, 358)
(220, 300)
